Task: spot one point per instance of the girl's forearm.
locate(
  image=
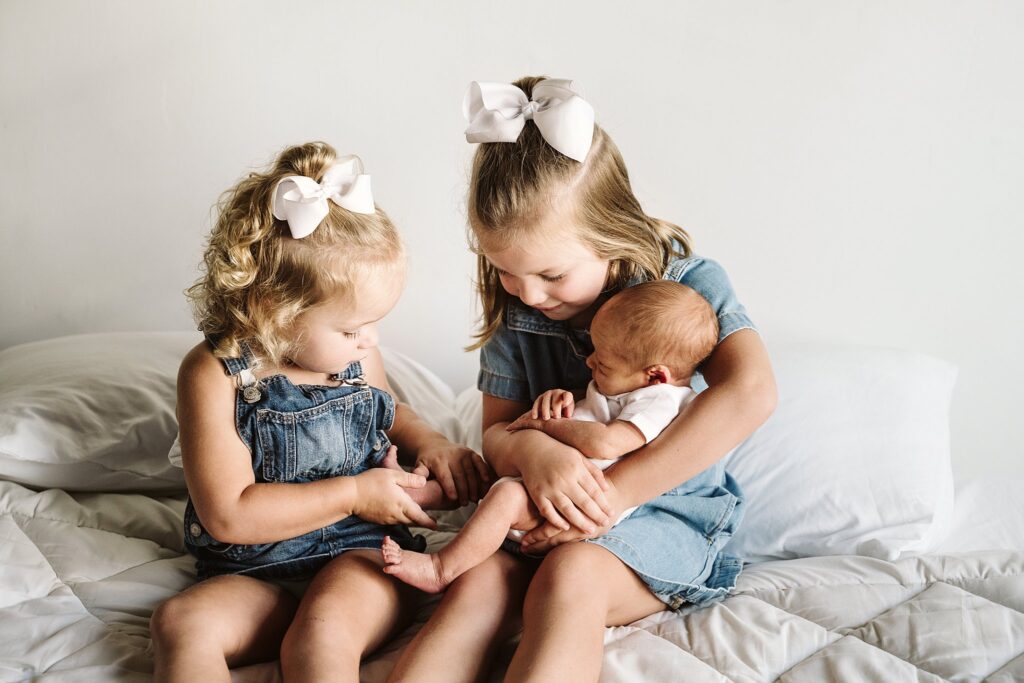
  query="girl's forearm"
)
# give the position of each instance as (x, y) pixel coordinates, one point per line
(712, 425)
(266, 513)
(410, 433)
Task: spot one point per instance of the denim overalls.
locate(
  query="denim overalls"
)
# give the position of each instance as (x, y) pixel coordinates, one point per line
(673, 542)
(296, 434)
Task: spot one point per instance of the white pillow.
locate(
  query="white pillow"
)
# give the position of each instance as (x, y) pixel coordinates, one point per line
(91, 412)
(854, 461)
(95, 412)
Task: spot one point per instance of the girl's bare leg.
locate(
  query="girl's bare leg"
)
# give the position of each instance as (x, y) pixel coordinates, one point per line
(578, 590)
(506, 506)
(350, 609)
(221, 622)
(479, 612)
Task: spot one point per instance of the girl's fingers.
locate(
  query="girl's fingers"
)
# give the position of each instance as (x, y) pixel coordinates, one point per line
(444, 477)
(573, 514)
(422, 470)
(415, 515)
(596, 473)
(482, 469)
(544, 531)
(548, 511)
(570, 407)
(410, 480)
(473, 490)
(460, 484)
(591, 509)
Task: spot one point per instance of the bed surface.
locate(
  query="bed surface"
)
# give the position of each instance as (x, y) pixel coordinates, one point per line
(80, 575)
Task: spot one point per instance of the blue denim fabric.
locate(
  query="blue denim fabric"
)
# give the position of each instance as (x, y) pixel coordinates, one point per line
(673, 542)
(297, 434)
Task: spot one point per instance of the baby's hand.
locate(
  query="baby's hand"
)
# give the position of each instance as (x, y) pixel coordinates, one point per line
(553, 403)
(525, 421)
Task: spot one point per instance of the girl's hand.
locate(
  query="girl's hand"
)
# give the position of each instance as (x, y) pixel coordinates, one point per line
(463, 475)
(553, 404)
(546, 536)
(381, 497)
(567, 488)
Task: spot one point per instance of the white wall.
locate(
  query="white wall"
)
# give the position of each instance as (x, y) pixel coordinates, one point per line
(856, 166)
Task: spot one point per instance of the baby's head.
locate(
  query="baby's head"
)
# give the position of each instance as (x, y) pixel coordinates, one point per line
(556, 232)
(312, 300)
(653, 333)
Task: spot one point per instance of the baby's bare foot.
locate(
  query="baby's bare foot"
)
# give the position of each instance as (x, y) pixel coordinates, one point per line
(419, 570)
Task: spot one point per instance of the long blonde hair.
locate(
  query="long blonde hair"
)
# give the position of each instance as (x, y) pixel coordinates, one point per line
(513, 185)
(257, 279)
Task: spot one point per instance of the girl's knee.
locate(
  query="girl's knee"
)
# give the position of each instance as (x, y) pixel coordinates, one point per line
(498, 579)
(176, 620)
(569, 571)
(306, 639)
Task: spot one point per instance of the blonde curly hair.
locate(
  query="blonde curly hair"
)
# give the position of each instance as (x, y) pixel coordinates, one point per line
(257, 279)
(513, 185)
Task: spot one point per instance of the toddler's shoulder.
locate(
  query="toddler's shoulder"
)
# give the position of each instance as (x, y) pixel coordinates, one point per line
(200, 370)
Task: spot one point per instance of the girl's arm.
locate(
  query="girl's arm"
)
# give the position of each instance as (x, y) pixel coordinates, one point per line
(741, 395)
(463, 475)
(564, 485)
(222, 486)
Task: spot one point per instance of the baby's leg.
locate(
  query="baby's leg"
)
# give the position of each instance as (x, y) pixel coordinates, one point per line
(221, 622)
(349, 610)
(506, 506)
(430, 497)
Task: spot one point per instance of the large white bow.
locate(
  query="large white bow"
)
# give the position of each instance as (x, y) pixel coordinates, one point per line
(497, 112)
(302, 202)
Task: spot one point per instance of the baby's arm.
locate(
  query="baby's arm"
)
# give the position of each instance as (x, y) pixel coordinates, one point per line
(593, 439)
(462, 474)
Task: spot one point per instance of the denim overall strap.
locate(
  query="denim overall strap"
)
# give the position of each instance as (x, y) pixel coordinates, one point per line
(241, 370)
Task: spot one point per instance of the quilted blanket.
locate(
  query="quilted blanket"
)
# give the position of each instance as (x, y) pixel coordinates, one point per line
(80, 575)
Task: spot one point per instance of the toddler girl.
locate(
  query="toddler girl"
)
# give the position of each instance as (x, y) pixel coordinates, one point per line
(285, 414)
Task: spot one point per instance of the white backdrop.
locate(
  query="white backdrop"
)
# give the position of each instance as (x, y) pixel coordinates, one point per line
(857, 167)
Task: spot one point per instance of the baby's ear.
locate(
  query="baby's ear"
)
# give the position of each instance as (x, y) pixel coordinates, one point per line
(658, 374)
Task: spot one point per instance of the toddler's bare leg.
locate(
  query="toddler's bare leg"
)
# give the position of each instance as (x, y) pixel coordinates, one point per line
(506, 506)
(221, 622)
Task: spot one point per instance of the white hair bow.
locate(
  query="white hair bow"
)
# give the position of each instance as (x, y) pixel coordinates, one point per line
(497, 112)
(302, 202)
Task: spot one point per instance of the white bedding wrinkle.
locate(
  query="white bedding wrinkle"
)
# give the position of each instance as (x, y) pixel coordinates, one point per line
(80, 575)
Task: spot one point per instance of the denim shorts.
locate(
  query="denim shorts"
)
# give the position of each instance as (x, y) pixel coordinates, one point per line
(675, 542)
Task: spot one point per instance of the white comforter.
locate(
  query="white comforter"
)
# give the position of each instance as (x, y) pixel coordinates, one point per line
(80, 576)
